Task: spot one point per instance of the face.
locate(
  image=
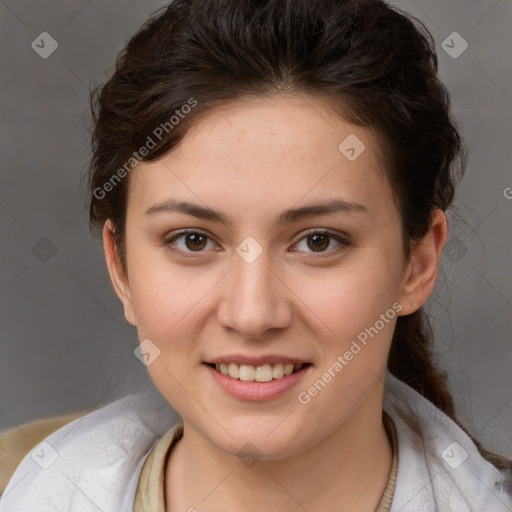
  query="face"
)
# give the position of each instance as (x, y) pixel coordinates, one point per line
(259, 284)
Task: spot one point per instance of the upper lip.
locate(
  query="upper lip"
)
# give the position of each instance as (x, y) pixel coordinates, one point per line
(256, 361)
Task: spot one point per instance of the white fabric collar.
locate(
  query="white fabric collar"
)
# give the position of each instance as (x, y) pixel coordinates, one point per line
(441, 469)
(100, 457)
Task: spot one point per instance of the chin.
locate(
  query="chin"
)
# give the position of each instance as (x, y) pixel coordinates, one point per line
(259, 443)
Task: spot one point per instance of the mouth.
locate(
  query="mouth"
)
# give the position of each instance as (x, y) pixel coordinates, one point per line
(266, 372)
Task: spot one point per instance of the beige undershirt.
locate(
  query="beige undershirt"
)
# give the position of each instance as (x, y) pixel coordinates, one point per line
(150, 495)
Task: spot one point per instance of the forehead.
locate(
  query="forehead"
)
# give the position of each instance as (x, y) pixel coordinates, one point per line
(263, 151)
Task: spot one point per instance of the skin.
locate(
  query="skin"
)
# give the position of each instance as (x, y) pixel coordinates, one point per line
(251, 160)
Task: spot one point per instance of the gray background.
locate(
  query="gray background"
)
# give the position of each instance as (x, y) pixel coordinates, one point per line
(65, 345)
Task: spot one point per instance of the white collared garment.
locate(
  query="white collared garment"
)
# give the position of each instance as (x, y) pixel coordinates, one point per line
(94, 463)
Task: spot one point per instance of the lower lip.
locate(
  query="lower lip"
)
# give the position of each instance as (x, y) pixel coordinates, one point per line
(252, 390)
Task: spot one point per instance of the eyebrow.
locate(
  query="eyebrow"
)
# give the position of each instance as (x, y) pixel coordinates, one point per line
(287, 216)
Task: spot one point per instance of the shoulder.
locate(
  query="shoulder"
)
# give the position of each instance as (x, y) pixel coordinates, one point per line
(439, 466)
(93, 462)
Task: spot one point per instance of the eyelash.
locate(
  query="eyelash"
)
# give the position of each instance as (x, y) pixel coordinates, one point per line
(343, 241)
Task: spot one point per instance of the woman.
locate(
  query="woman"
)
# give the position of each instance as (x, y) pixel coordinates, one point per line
(271, 180)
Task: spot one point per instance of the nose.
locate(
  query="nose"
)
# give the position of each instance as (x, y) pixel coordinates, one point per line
(255, 299)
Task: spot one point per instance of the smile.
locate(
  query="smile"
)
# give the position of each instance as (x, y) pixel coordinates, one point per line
(262, 373)
(259, 381)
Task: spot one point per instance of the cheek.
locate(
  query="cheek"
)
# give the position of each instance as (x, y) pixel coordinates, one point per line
(170, 312)
(359, 311)
(355, 305)
(164, 303)
(351, 297)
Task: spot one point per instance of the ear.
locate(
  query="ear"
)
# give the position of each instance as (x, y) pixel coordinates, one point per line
(117, 275)
(422, 269)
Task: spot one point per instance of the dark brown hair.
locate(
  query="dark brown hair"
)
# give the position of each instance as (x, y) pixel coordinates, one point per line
(377, 64)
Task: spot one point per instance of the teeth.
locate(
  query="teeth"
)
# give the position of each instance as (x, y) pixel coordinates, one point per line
(278, 371)
(247, 372)
(233, 370)
(263, 373)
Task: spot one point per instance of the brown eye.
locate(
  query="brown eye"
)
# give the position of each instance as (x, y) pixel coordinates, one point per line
(191, 241)
(319, 241)
(196, 241)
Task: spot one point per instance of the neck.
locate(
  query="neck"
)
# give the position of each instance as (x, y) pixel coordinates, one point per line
(351, 466)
